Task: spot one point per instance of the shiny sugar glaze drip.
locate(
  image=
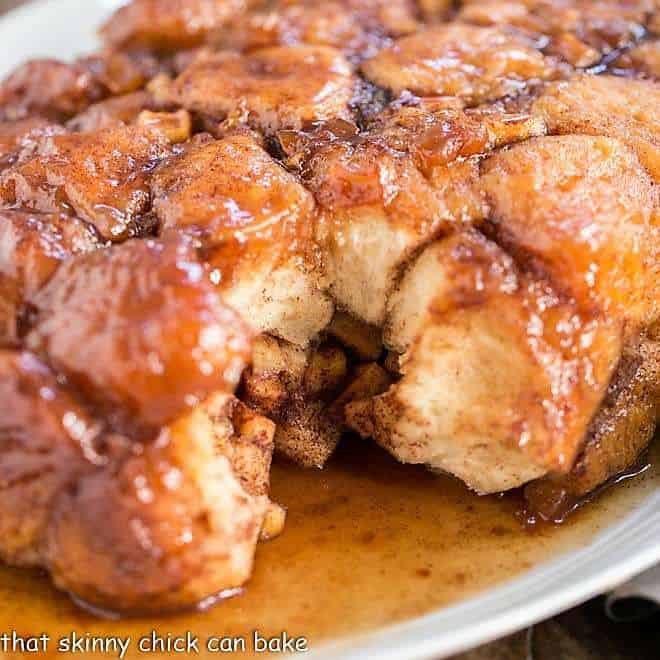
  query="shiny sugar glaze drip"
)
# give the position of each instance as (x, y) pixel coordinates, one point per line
(368, 542)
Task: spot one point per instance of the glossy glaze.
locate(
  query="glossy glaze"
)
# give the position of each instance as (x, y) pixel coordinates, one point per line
(102, 178)
(149, 309)
(357, 27)
(280, 87)
(475, 64)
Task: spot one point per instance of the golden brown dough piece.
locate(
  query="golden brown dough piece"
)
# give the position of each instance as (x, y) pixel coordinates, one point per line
(356, 27)
(32, 246)
(59, 90)
(102, 177)
(9, 312)
(123, 72)
(628, 110)
(474, 64)
(177, 126)
(386, 192)
(580, 31)
(22, 136)
(167, 339)
(142, 432)
(48, 87)
(39, 454)
(258, 239)
(181, 510)
(528, 364)
(168, 25)
(280, 87)
(531, 344)
(617, 436)
(435, 10)
(582, 211)
(116, 110)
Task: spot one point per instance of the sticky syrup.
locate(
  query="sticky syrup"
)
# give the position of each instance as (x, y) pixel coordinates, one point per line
(368, 542)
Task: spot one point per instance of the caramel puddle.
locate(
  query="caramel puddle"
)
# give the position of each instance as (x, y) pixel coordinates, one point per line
(368, 543)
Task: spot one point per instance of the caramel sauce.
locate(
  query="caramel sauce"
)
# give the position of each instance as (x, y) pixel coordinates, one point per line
(368, 542)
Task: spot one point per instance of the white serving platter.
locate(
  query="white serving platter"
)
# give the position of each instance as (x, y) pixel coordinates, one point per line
(66, 28)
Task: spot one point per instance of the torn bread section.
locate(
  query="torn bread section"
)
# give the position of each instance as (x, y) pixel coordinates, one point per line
(140, 430)
(295, 386)
(524, 340)
(386, 192)
(528, 366)
(181, 511)
(305, 390)
(257, 240)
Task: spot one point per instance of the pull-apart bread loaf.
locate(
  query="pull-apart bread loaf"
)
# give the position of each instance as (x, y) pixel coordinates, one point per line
(248, 225)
